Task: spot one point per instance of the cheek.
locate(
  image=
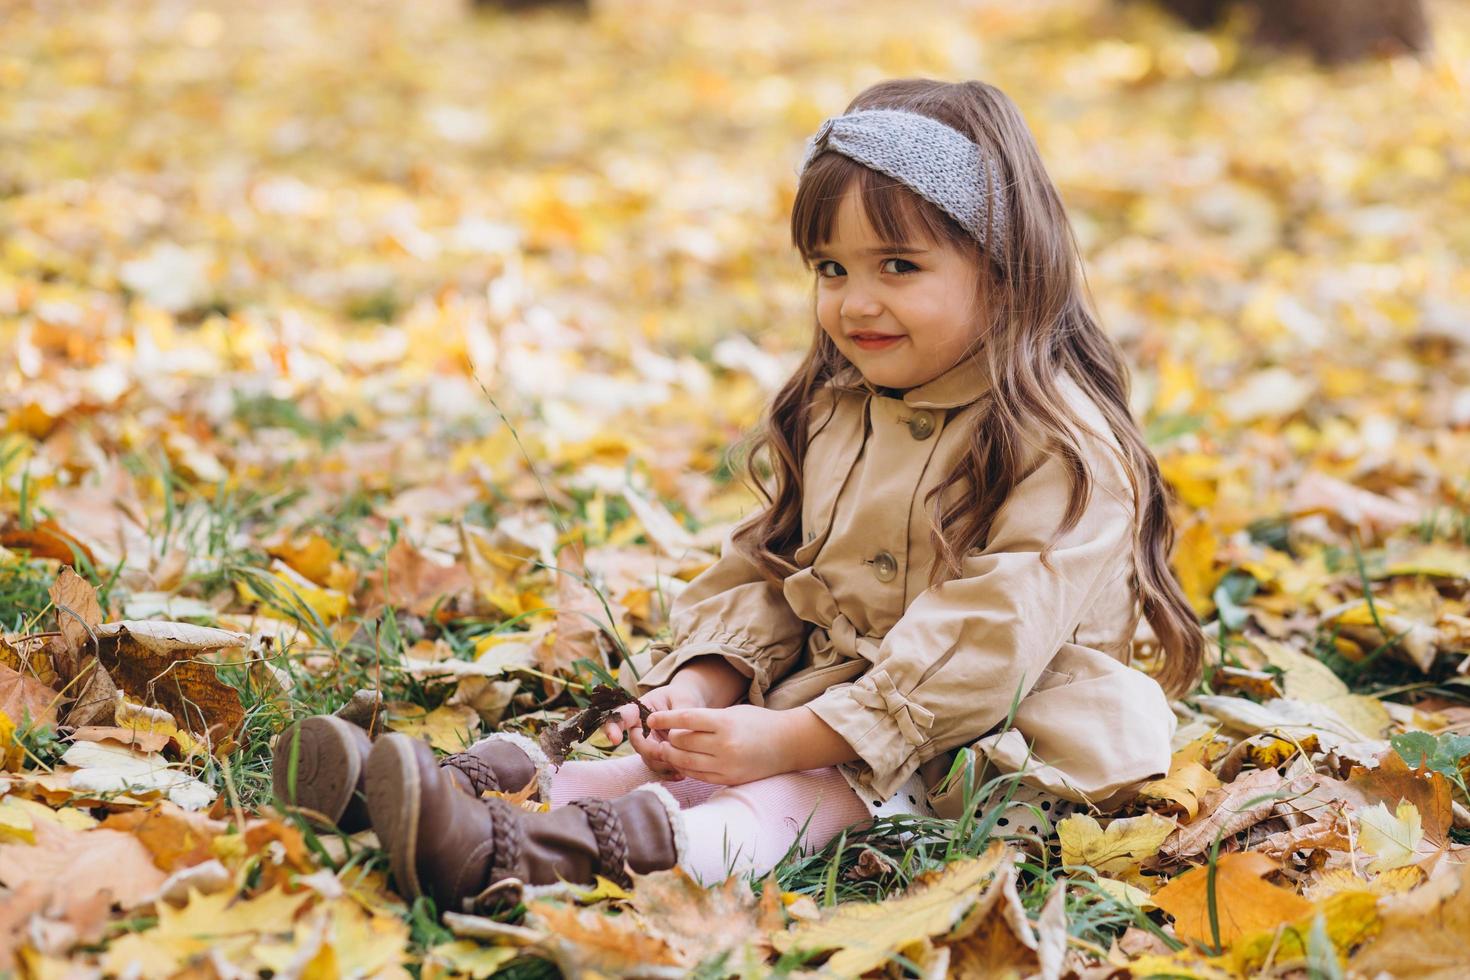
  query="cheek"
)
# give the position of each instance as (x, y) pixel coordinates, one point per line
(829, 313)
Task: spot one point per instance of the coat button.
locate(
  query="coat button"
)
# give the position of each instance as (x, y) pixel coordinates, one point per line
(921, 425)
(885, 566)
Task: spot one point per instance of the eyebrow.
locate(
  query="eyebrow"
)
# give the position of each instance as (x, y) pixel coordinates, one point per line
(881, 250)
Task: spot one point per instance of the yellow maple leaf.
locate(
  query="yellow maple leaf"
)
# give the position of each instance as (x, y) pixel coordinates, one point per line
(1392, 838)
(449, 727)
(1117, 851)
(463, 958)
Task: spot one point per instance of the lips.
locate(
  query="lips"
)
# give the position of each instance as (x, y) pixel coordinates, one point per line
(875, 341)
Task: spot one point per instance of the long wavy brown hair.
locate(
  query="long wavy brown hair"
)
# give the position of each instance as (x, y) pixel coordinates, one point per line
(1036, 304)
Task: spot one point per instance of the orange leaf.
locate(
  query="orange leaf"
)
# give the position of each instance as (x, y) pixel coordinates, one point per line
(1244, 901)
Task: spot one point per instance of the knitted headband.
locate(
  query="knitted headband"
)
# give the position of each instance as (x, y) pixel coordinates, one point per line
(936, 161)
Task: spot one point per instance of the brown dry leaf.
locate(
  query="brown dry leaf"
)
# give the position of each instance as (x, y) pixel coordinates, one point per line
(679, 910)
(865, 936)
(587, 943)
(1392, 781)
(162, 663)
(580, 618)
(413, 581)
(1424, 933)
(1227, 811)
(23, 697)
(78, 614)
(1329, 832)
(1245, 902)
(96, 695)
(995, 938)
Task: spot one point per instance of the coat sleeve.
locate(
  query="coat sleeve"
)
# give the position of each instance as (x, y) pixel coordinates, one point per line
(965, 650)
(730, 611)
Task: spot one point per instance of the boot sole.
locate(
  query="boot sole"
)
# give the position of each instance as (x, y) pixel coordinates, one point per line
(327, 766)
(394, 795)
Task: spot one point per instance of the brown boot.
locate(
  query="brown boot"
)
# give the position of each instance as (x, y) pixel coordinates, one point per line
(332, 761)
(474, 854)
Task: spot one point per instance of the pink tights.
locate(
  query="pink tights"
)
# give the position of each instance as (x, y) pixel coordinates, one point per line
(744, 829)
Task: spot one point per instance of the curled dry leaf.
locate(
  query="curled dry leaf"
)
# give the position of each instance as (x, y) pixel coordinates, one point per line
(78, 614)
(164, 664)
(602, 702)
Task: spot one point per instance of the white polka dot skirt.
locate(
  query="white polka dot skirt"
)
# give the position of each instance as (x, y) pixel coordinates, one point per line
(1030, 810)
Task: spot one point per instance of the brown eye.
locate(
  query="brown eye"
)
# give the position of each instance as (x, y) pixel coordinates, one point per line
(903, 272)
(826, 262)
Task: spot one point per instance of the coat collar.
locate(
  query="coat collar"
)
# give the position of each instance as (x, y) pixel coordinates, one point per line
(962, 384)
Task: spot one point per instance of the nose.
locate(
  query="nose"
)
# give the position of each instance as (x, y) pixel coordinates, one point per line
(859, 304)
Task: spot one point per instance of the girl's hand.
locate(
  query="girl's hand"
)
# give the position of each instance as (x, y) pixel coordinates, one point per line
(728, 746)
(626, 720)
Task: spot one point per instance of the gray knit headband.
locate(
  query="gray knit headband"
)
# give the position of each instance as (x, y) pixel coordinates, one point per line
(938, 162)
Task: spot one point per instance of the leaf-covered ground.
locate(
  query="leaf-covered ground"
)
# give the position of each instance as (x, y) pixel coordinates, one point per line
(383, 346)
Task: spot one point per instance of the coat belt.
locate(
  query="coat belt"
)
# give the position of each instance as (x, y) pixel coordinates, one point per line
(835, 638)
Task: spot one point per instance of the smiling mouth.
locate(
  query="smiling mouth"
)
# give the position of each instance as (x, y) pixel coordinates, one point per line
(875, 341)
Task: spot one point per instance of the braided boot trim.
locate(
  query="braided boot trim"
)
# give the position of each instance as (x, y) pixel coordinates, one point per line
(481, 776)
(612, 843)
(503, 847)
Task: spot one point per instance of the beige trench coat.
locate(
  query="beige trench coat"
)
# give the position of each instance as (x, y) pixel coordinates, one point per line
(908, 674)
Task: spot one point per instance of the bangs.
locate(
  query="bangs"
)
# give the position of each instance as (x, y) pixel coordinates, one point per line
(897, 214)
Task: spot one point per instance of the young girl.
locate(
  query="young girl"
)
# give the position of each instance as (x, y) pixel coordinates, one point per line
(963, 528)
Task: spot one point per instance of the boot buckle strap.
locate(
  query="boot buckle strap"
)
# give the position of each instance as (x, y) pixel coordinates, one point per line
(498, 894)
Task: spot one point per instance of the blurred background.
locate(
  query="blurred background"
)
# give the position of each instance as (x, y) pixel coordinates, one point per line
(298, 274)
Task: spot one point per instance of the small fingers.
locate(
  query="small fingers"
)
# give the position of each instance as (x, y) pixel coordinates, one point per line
(682, 759)
(697, 719)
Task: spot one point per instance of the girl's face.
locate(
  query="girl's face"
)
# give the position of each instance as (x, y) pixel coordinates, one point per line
(903, 315)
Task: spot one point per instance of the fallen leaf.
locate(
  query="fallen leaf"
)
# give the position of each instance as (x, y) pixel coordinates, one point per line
(1118, 851)
(865, 936)
(587, 943)
(26, 700)
(995, 937)
(1227, 811)
(1180, 791)
(1392, 838)
(412, 581)
(1424, 932)
(163, 664)
(74, 864)
(1244, 901)
(449, 727)
(679, 910)
(78, 615)
(104, 767)
(580, 619)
